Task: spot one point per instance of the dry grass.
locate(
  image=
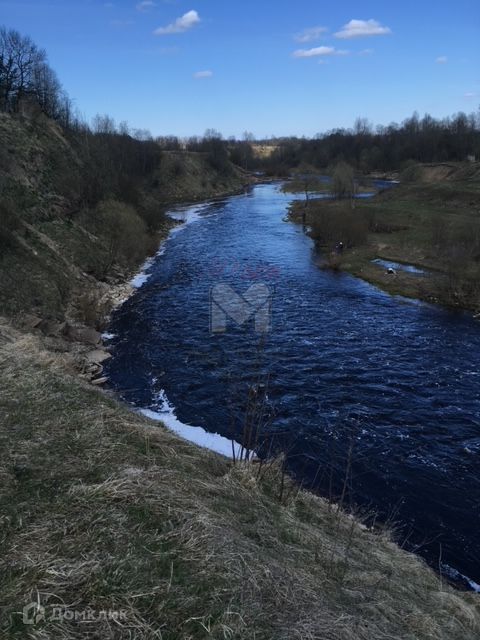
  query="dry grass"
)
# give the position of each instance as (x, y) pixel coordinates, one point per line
(102, 509)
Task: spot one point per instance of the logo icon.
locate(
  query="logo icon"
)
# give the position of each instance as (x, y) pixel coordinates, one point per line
(33, 613)
(226, 303)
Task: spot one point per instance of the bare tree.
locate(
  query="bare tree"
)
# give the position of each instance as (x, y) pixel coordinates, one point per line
(343, 185)
(20, 64)
(8, 70)
(26, 76)
(47, 89)
(103, 124)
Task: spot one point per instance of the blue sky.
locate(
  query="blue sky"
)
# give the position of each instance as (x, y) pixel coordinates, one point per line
(273, 68)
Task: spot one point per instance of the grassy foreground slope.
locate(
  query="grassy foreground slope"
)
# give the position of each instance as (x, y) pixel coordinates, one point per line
(103, 509)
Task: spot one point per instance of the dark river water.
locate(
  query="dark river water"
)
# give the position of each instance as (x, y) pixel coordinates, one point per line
(358, 388)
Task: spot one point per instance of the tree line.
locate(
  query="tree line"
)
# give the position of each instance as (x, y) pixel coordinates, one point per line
(27, 83)
(381, 148)
(364, 147)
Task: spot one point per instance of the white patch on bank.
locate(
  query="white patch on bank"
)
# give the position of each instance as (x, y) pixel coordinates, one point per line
(456, 575)
(185, 215)
(189, 213)
(142, 276)
(213, 441)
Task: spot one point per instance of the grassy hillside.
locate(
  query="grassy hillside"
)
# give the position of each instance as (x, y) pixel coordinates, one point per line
(189, 175)
(73, 219)
(103, 509)
(431, 220)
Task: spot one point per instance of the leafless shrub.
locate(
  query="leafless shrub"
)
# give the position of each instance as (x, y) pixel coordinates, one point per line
(337, 222)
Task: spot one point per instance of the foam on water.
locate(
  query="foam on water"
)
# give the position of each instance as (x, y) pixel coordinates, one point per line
(142, 276)
(189, 213)
(459, 577)
(213, 441)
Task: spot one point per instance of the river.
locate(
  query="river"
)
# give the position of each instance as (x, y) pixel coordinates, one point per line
(349, 381)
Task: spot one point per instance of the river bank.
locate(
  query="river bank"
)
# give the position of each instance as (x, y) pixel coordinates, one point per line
(72, 240)
(80, 331)
(430, 225)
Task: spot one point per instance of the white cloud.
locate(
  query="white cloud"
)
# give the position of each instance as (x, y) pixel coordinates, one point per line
(470, 94)
(186, 22)
(441, 60)
(361, 28)
(365, 52)
(145, 5)
(203, 74)
(307, 35)
(319, 51)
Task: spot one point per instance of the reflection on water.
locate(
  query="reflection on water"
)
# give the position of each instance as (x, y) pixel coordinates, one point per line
(399, 266)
